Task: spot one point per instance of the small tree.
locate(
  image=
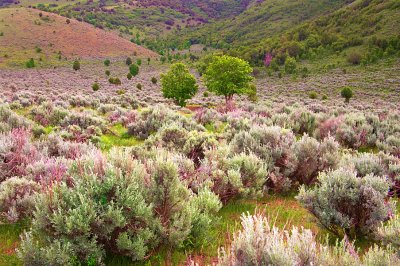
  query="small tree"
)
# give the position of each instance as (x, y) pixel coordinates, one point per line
(76, 65)
(290, 65)
(154, 80)
(178, 84)
(30, 63)
(227, 76)
(129, 76)
(139, 62)
(95, 86)
(347, 93)
(134, 69)
(107, 62)
(128, 61)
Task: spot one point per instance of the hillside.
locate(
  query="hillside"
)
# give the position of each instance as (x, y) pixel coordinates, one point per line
(306, 29)
(144, 21)
(30, 33)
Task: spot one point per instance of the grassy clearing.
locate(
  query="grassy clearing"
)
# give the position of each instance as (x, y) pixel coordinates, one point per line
(119, 137)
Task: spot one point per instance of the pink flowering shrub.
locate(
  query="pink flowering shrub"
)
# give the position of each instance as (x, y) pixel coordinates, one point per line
(16, 152)
(16, 198)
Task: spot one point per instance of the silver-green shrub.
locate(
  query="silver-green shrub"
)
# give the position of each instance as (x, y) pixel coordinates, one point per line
(122, 206)
(260, 243)
(389, 233)
(314, 156)
(346, 204)
(272, 144)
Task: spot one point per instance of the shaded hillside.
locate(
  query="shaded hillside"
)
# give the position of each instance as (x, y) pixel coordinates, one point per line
(32, 33)
(260, 20)
(145, 20)
(304, 29)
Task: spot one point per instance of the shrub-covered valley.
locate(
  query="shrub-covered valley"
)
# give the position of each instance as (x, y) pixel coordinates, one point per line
(215, 132)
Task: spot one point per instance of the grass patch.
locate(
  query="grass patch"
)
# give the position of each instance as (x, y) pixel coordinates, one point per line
(9, 241)
(119, 137)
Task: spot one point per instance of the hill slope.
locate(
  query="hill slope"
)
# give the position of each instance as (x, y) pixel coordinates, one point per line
(32, 33)
(302, 28)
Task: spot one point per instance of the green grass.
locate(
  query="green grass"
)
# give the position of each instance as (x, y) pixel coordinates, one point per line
(120, 138)
(9, 239)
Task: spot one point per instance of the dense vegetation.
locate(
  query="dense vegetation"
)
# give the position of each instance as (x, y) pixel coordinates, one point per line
(263, 133)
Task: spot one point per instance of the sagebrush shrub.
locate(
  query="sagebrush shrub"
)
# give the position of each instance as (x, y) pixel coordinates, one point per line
(346, 204)
(260, 243)
(110, 209)
(389, 233)
(313, 157)
(16, 153)
(17, 198)
(152, 119)
(274, 145)
(230, 176)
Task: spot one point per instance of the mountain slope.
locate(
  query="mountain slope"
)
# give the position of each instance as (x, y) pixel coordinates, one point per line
(33, 33)
(305, 29)
(263, 19)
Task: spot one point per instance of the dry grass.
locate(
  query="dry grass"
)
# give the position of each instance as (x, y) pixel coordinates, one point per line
(24, 30)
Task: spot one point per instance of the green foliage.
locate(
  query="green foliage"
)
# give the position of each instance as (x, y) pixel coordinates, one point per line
(129, 76)
(139, 86)
(178, 84)
(30, 63)
(134, 70)
(154, 80)
(347, 204)
(347, 93)
(354, 58)
(290, 65)
(95, 86)
(107, 62)
(139, 62)
(313, 95)
(114, 81)
(120, 208)
(76, 65)
(228, 76)
(107, 72)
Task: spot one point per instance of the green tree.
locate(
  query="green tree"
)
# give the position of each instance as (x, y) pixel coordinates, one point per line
(95, 86)
(290, 65)
(30, 63)
(76, 65)
(107, 62)
(178, 84)
(134, 69)
(347, 93)
(227, 76)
